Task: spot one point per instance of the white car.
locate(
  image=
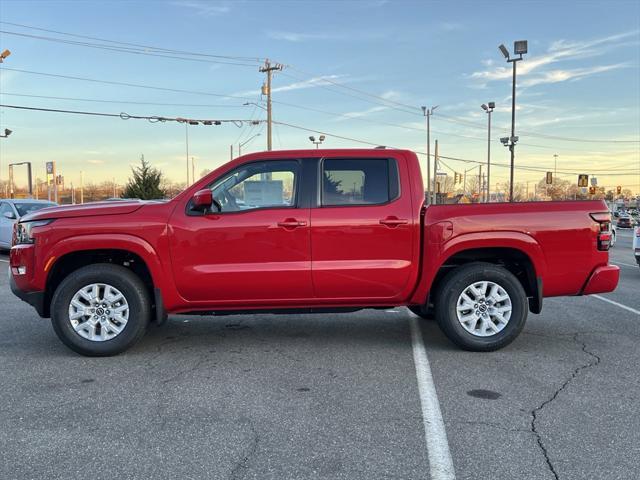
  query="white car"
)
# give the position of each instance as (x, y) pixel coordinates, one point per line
(614, 234)
(10, 212)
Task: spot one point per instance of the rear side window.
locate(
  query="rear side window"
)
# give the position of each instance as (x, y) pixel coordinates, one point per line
(359, 181)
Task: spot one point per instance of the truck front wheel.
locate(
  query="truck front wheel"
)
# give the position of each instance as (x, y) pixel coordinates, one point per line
(481, 307)
(100, 310)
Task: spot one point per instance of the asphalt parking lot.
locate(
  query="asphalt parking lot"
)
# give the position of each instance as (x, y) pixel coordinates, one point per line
(327, 396)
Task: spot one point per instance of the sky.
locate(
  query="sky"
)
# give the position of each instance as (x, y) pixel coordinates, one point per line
(359, 70)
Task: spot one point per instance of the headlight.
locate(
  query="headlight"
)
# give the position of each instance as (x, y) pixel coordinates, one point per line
(22, 231)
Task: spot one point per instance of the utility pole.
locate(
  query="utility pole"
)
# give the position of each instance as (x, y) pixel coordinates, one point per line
(427, 112)
(193, 170)
(81, 186)
(488, 108)
(186, 132)
(555, 167)
(231, 152)
(266, 90)
(480, 190)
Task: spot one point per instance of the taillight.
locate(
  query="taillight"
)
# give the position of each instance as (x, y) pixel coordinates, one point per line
(604, 232)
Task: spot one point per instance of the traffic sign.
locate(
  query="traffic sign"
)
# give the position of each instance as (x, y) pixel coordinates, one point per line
(583, 180)
(50, 168)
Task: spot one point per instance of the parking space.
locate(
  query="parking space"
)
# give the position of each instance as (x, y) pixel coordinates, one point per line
(325, 396)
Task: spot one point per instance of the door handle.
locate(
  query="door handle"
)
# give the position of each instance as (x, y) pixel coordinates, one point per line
(393, 221)
(292, 223)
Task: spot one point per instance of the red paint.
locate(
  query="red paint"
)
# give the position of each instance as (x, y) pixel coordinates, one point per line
(366, 255)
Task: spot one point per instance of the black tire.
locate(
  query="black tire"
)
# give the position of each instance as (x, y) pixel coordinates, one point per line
(420, 312)
(452, 287)
(129, 284)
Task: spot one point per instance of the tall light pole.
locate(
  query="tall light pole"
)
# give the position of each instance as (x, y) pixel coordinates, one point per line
(555, 166)
(488, 108)
(7, 132)
(186, 134)
(519, 48)
(240, 145)
(318, 142)
(427, 112)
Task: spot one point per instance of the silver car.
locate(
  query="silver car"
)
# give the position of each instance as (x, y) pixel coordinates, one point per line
(11, 210)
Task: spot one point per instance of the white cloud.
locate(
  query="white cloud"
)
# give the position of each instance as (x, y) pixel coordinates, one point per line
(560, 50)
(555, 76)
(205, 9)
(362, 113)
(303, 37)
(299, 85)
(95, 162)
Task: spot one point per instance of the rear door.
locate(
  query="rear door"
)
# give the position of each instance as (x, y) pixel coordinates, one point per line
(362, 230)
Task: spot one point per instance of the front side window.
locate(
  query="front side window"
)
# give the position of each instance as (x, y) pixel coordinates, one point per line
(258, 185)
(359, 181)
(5, 208)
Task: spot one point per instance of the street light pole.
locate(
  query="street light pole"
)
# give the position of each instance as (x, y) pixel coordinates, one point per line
(488, 108)
(427, 112)
(240, 145)
(318, 142)
(519, 48)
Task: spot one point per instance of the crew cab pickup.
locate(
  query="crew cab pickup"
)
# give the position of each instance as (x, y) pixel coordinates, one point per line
(306, 231)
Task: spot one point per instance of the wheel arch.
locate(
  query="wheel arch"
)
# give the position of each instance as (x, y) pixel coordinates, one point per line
(128, 251)
(519, 253)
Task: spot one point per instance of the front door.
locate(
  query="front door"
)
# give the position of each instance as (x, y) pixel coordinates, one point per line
(362, 231)
(256, 250)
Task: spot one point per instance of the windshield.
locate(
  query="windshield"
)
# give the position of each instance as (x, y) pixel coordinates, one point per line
(25, 208)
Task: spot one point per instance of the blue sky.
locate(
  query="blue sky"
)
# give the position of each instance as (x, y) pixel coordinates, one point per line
(580, 80)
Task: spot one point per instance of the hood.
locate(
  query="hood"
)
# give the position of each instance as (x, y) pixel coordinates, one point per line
(87, 210)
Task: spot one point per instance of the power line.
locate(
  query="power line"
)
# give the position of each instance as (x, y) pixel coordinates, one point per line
(130, 102)
(126, 116)
(124, 49)
(124, 84)
(147, 47)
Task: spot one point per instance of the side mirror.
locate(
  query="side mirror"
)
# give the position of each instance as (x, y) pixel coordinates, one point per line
(203, 199)
(9, 215)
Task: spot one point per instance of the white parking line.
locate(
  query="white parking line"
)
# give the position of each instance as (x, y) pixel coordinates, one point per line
(440, 463)
(625, 264)
(632, 310)
(5, 261)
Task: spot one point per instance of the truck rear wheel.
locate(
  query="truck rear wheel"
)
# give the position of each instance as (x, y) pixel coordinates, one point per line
(100, 310)
(481, 307)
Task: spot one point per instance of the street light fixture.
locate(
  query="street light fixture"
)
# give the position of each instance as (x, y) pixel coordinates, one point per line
(240, 145)
(519, 48)
(4, 55)
(488, 108)
(7, 132)
(318, 142)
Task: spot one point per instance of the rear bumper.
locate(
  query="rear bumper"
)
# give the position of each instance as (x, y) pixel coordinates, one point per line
(35, 299)
(603, 279)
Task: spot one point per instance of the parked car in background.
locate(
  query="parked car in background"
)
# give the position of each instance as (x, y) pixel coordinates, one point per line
(614, 234)
(636, 245)
(11, 210)
(624, 221)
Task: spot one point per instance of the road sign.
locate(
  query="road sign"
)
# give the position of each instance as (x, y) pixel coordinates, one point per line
(549, 178)
(50, 168)
(594, 182)
(583, 180)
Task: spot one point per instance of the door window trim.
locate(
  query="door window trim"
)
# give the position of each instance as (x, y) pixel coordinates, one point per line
(393, 163)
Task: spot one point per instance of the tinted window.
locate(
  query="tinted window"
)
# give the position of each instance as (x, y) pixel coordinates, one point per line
(258, 185)
(24, 208)
(359, 181)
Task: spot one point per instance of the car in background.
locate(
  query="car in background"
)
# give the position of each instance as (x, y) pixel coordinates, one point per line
(11, 210)
(614, 233)
(624, 221)
(636, 245)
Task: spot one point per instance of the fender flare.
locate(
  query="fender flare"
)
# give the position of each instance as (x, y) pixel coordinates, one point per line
(519, 241)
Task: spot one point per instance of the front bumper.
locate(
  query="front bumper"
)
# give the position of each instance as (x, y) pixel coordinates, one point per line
(603, 279)
(35, 299)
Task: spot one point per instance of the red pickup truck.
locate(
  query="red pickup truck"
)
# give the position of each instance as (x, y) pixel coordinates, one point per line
(306, 231)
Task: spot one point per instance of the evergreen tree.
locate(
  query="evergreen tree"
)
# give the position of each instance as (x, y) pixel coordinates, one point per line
(145, 183)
